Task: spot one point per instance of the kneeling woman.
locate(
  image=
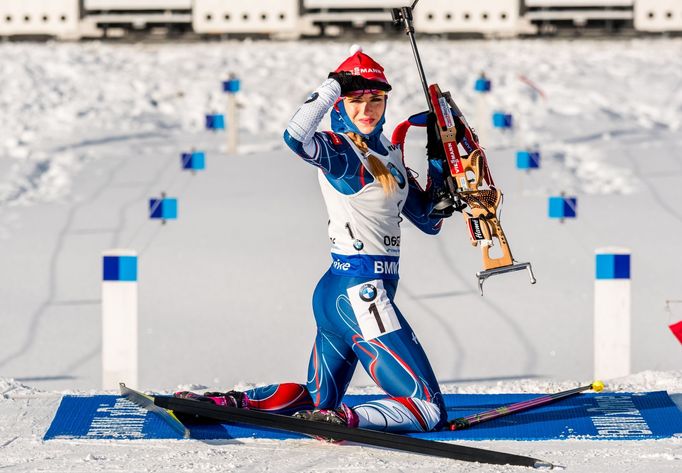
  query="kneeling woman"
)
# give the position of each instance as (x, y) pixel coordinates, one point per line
(366, 188)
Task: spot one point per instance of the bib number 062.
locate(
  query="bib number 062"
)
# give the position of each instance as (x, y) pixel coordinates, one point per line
(391, 240)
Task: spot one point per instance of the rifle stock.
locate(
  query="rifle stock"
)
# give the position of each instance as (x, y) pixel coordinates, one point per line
(468, 178)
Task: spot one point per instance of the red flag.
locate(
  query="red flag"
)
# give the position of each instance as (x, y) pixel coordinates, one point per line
(676, 329)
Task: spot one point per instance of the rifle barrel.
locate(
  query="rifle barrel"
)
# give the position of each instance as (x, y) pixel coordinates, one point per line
(406, 18)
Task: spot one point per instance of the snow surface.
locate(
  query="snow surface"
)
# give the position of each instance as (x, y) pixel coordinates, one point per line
(89, 132)
(27, 412)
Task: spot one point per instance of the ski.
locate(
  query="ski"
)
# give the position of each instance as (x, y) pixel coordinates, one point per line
(147, 402)
(468, 421)
(205, 410)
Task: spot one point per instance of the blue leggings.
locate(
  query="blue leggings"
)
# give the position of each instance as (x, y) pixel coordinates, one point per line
(357, 320)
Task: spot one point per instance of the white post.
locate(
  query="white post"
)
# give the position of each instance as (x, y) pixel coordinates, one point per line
(119, 318)
(612, 326)
(232, 124)
(482, 118)
(232, 85)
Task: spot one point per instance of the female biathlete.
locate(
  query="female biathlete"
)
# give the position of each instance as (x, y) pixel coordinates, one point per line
(366, 188)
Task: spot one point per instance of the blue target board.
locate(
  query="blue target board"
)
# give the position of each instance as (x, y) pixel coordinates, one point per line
(563, 207)
(502, 120)
(193, 161)
(527, 159)
(482, 85)
(163, 209)
(231, 86)
(215, 121)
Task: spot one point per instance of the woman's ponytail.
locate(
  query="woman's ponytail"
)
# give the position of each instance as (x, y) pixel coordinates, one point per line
(376, 167)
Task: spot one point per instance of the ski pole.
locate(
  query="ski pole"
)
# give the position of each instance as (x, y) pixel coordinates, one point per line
(468, 421)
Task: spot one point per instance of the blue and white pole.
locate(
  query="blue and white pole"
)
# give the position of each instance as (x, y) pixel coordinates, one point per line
(231, 86)
(612, 332)
(119, 318)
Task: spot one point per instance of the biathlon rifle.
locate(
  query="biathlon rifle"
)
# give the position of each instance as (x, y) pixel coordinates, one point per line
(470, 188)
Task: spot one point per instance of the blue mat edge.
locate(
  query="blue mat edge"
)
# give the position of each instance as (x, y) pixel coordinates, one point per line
(357, 398)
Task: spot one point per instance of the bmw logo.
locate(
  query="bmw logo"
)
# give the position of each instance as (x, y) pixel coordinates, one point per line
(397, 175)
(358, 245)
(368, 292)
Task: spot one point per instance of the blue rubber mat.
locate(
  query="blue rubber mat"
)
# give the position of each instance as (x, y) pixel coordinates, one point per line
(603, 416)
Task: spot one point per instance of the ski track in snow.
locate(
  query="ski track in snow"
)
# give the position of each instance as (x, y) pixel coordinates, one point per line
(57, 253)
(519, 334)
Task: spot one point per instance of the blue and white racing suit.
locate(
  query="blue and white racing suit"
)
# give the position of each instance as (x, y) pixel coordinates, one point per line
(357, 319)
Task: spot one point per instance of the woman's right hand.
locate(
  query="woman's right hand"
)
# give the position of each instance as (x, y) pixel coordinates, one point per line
(351, 83)
(348, 81)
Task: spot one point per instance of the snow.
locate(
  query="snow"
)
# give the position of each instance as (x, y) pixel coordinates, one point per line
(90, 131)
(27, 413)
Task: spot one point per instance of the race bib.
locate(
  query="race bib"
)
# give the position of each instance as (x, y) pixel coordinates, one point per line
(373, 309)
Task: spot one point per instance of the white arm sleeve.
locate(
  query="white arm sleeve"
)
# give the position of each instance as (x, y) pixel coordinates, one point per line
(305, 121)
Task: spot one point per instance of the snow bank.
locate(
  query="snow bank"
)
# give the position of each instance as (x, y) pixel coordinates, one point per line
(54, 95)
(9, 388)
(645, 381)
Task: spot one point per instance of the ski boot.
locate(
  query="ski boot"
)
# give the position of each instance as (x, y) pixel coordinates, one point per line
(229, 399)
(342, 415)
